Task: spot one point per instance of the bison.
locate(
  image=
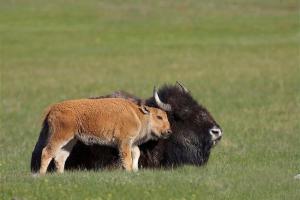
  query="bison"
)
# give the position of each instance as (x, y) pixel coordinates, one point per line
(115, 122)
(195, 132)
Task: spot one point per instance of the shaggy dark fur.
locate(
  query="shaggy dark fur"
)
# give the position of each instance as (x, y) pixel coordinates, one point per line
(190, 142)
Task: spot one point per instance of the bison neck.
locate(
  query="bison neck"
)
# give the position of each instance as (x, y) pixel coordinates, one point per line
(144, 133)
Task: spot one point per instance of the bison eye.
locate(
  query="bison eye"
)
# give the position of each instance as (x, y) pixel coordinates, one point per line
(159, 117)
(177, 118)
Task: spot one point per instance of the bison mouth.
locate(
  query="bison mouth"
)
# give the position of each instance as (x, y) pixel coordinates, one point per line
(216, 141)
(154, 136)
(163, 135)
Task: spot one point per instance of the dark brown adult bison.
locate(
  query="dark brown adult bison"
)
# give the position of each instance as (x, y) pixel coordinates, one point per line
(195, 132)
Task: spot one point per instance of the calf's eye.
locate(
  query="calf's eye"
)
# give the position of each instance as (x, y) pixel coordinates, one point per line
(159, 117)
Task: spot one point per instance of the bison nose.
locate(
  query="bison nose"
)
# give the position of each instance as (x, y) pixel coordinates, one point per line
(215, 133)
(167, 134)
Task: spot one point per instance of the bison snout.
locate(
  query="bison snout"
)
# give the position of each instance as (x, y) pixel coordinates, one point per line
(167, 133)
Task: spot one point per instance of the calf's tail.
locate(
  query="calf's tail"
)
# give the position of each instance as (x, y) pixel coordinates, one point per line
(41, 143)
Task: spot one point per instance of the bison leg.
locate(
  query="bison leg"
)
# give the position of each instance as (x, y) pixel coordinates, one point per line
(63, 154)
(46, 157)
(135, 158)
(51, 150)
(125, 154)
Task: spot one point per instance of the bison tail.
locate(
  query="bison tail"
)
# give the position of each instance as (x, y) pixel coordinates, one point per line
(41, 143)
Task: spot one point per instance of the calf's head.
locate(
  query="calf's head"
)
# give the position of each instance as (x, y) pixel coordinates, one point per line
(158, 122)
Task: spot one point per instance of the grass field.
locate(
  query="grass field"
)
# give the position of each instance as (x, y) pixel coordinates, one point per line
(239, 58)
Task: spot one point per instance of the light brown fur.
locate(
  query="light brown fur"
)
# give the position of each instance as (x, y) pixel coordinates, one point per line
(115, 122)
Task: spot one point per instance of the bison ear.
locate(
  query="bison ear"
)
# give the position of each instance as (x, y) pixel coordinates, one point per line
(144, 109)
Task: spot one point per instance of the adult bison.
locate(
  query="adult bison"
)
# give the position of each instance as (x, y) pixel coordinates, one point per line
(195, 132)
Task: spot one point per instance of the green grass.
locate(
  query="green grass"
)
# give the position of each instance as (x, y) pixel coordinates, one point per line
(241, 59)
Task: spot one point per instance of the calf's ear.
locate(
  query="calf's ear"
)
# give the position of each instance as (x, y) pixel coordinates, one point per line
(144, 109)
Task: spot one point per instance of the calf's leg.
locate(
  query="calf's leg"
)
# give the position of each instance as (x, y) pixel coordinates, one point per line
(62, 155)
(135, 158)
(125, 154)
(47, 155)
(56, 142)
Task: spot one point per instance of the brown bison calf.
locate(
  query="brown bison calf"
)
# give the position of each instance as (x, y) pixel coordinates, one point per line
(113, 121)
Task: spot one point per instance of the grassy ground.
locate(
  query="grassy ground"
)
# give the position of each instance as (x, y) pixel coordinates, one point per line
(239, 58)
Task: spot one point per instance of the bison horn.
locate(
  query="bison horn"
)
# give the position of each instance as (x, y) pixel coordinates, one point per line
(182, 87)
(164, 106)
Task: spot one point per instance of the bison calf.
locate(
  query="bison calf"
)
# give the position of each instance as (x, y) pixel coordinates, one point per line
(113, 121)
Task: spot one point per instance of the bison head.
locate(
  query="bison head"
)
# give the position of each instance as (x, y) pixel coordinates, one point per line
(195, 131)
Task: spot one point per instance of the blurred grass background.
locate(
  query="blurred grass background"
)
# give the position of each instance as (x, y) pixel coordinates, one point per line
(241, 59)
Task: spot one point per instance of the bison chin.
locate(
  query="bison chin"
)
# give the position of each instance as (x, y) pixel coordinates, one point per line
(192, 151)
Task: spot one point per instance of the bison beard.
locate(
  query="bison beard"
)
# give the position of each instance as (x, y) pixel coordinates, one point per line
(190, 142)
